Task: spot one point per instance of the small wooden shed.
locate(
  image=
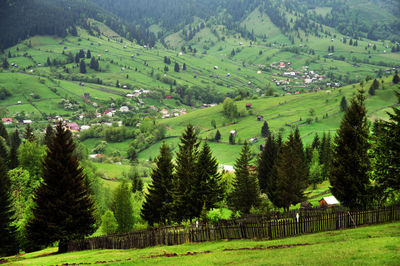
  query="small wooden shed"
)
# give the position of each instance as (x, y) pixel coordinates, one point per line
(327, 202)
(306, 205)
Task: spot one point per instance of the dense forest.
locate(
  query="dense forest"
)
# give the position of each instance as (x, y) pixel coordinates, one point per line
(21, 19)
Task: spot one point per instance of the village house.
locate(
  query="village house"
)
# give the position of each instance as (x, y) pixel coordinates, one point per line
(85, 127)
(233, 133)
(253, 140)
(26, 122)
(7, 121)
(260, 118)
(327, 202)
(74, 127)
(248, 106)
(108, 113)
(124, 109)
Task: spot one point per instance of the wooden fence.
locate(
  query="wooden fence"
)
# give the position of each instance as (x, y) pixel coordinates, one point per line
(241, 229)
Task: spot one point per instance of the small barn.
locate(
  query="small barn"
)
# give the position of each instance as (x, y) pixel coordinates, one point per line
(327, 202)
(260, 118)
(233, 133)
(248, 105)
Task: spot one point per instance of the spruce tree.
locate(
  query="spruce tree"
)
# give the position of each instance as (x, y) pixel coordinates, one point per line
(207, 189)
(15, 141)
(3, 132)
(88, 54)
(186, 158)
(343, 104)
(265, 130)
(246, 191)
(350, 163)
(4, 152)
(63, 209)
(176, 67)
(8, 241)
(265, 169)
(157, 207)
(396, 78)
(373, 88)
(48, 137)
(28, 134)
(217, 136)
(386, 159)
(82, 67)
(292, 172)
(5, 63)
(137, 182)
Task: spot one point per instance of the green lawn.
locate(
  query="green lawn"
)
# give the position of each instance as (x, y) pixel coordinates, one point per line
(372, 245)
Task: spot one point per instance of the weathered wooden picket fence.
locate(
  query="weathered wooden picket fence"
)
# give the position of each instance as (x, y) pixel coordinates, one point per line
(311, 222)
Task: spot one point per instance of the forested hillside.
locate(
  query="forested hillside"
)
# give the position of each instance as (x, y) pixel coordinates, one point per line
(21, 19)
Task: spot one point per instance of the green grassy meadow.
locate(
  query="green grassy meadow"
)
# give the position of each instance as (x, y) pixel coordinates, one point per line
(371, 245)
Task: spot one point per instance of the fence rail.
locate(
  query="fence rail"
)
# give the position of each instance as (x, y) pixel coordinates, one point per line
(260, 228)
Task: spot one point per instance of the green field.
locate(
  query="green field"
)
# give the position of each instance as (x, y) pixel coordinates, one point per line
(371, 245)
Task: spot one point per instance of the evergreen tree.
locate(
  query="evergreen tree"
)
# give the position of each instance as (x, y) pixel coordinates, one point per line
(246, 191)
(157, 207)
(184, 67)
(81, 53)
(207, 189)
(176, 67)
(5, 63)
(48, 62)
(3, 132)
(217, 136)
(77, 58)
(137, 182)
(292, 172)
(4, 153)
(396, 78)
(231, 139)
(185, 175)
(350, 164)
(122, 208)
(373, 88)
(82, 67)
(15, 141)
(94, 64)
(8, 240)
(386, 159)
(265, 169)
(316, 143)
(48, 137)
(343, 104)
(88, 54)
(28, 134)
(265, 130)
(63, 209)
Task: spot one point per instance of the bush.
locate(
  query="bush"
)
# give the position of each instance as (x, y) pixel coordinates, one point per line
(215, 215)
(109, 224)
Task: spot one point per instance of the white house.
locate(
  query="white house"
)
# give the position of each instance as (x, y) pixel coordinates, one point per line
(124, 109)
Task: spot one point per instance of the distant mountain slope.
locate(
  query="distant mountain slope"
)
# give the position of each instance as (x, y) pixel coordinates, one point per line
(21, 19)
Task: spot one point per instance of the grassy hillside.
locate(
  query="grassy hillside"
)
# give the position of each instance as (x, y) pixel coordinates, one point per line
(372, 245)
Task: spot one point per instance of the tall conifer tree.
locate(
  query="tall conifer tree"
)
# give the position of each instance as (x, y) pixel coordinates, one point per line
(63, 209)
(157, 207)
(185, 167)
(8, 241)
(265, 169)
(386, 162)
(207, 189)
(15, 141)
(292, 172)
(246, 191)
(350, 164)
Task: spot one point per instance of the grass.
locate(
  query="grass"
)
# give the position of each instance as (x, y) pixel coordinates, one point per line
(372, 245)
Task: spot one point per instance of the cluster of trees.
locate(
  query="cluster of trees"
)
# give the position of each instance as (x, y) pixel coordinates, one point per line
(62, 205)
(22, 19)
(182, 190)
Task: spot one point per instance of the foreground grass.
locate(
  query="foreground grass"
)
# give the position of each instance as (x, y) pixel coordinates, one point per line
(375, 245)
